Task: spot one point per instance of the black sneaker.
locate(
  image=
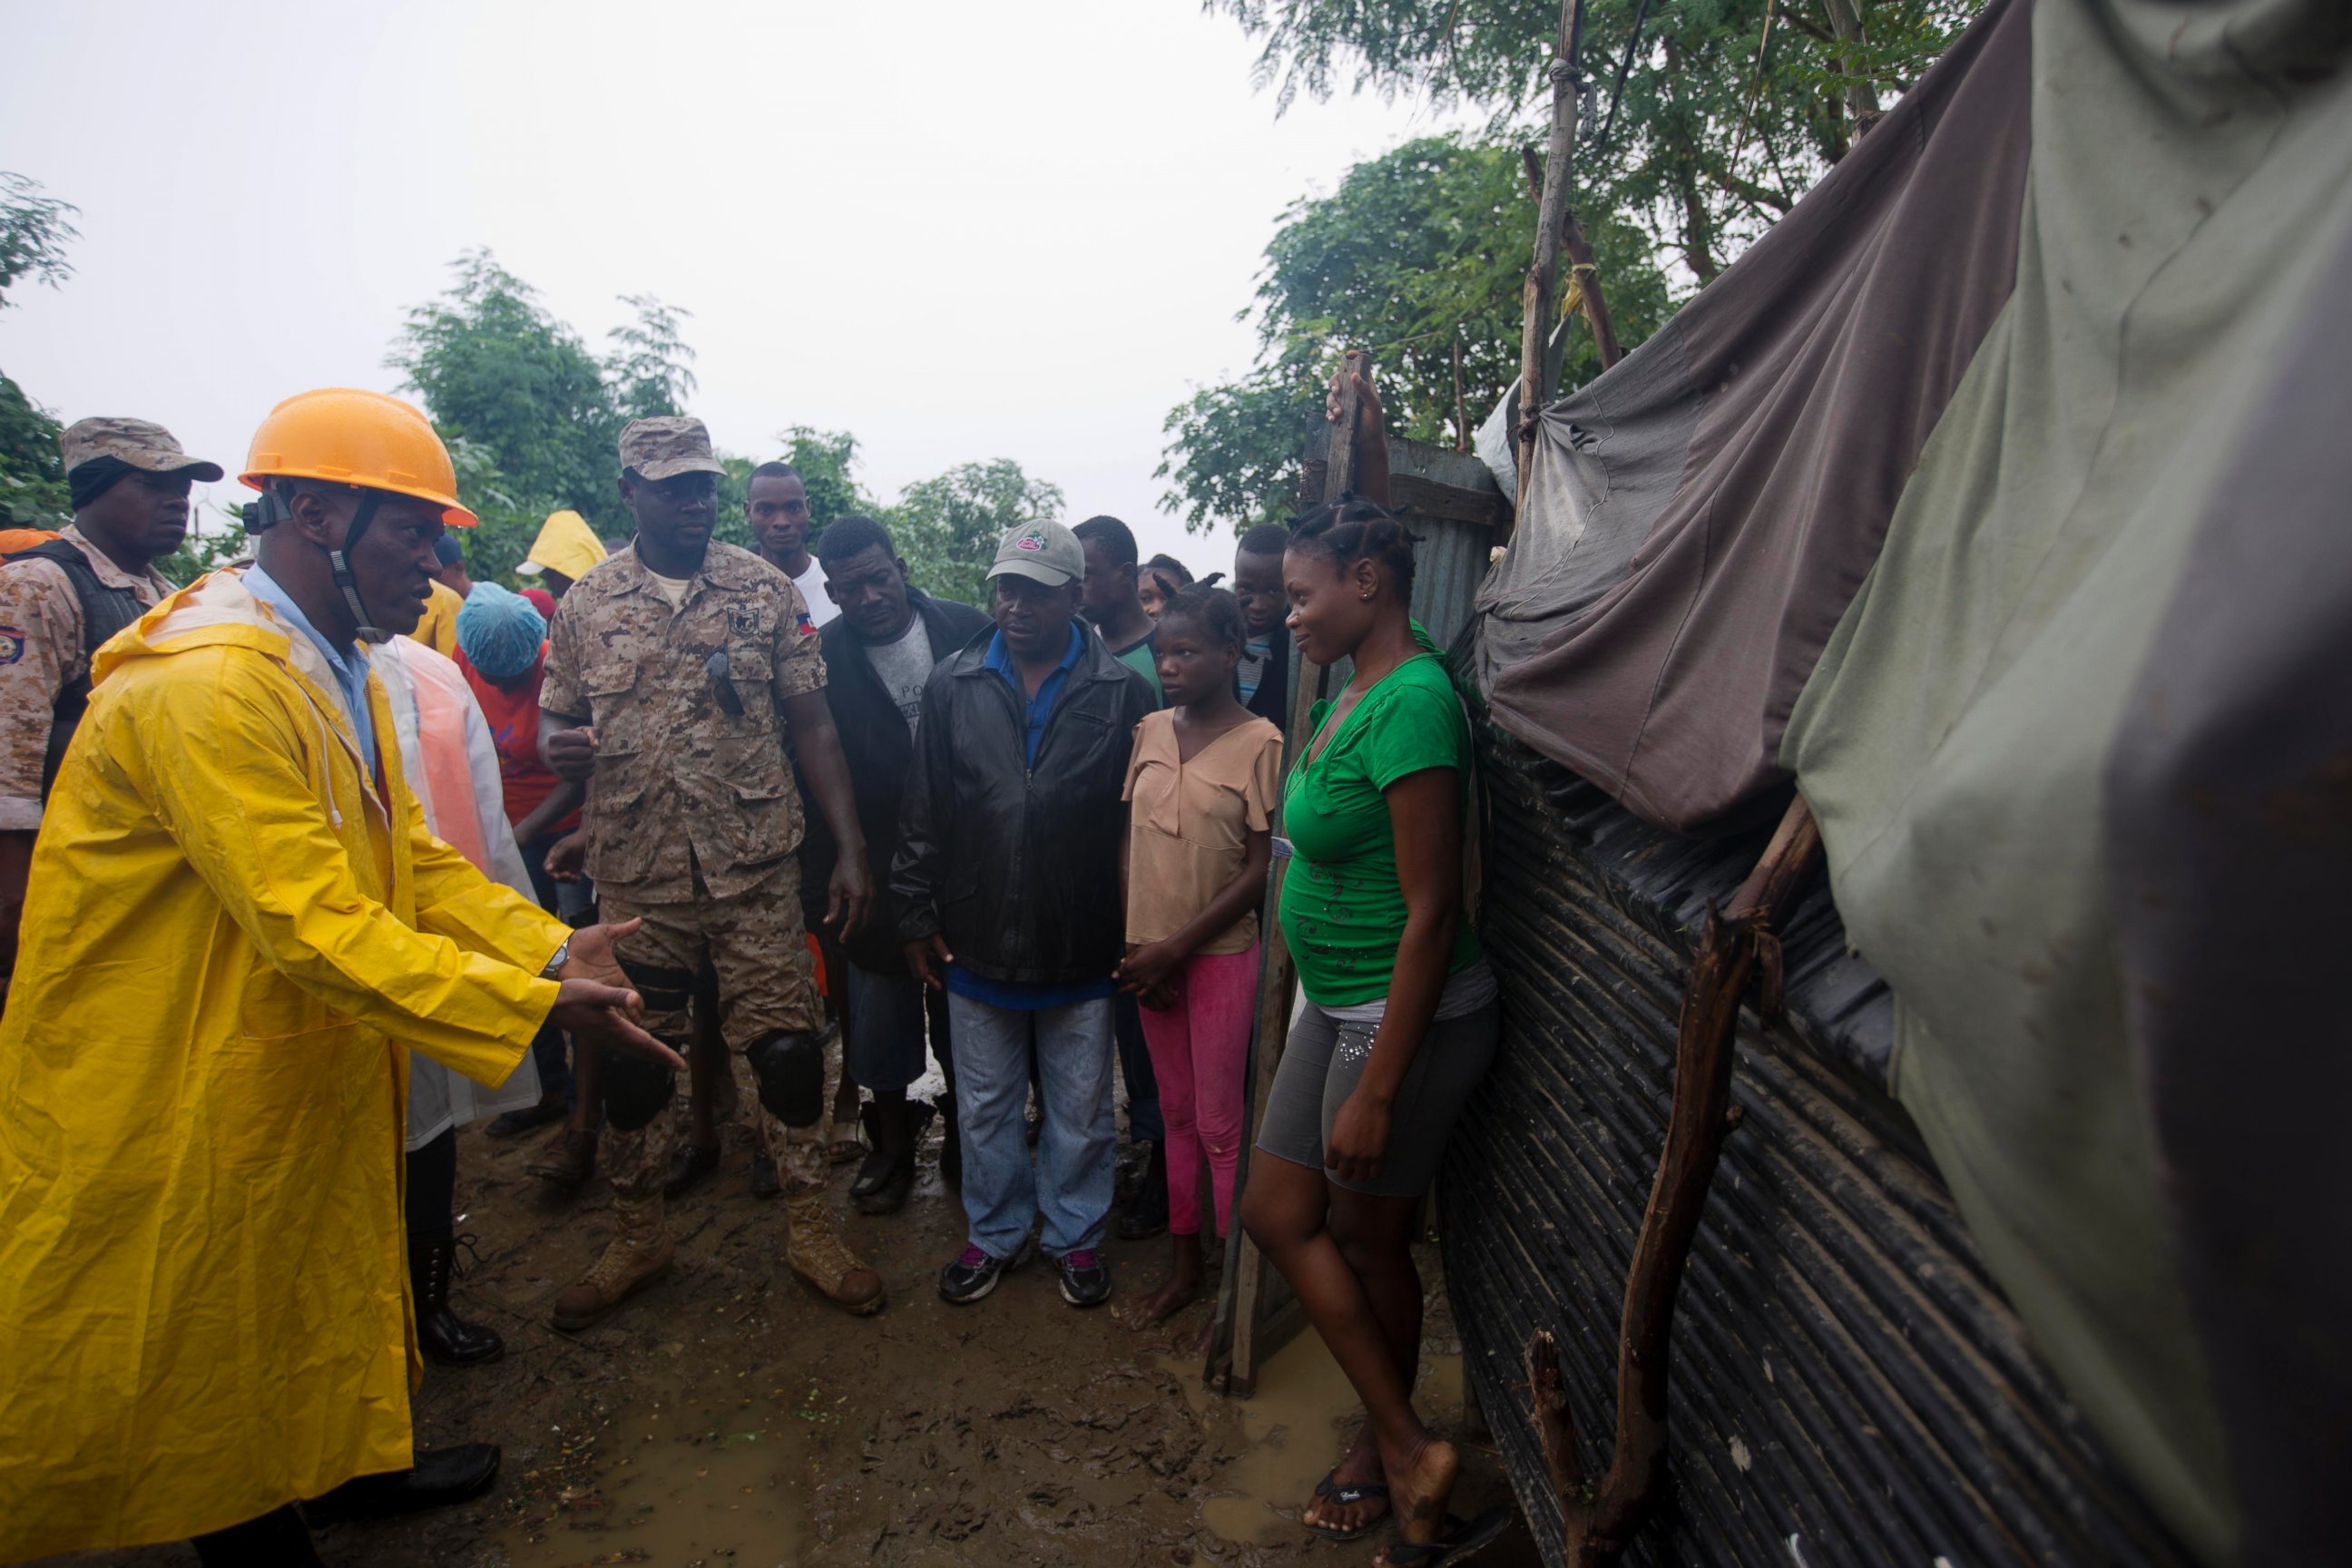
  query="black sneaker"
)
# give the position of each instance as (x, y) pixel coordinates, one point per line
(974, 1274)
(764, 1180)
(1086, 1278)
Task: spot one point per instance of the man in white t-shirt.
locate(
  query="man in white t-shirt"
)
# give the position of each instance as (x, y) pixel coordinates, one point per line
(776, 504)
(878, 655)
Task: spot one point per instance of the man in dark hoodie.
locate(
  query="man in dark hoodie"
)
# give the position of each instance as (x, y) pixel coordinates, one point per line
(879, 650)
(1006, 891)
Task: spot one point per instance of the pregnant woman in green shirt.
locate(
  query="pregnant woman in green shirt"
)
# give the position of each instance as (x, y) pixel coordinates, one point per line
(1399, 1019)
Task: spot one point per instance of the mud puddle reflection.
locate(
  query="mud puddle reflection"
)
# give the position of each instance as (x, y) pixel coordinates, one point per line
(1293, 1430)
(677, 1484)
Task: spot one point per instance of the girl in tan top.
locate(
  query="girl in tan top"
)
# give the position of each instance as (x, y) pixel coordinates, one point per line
(1201, 788)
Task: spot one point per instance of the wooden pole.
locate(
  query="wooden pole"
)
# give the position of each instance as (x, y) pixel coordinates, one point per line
(1861, 92)
(1735, 948)
(1461, 403)
(1578, 250)
(1543, 276)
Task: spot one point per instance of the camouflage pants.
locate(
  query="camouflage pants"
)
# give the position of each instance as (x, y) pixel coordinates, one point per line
(757, 947)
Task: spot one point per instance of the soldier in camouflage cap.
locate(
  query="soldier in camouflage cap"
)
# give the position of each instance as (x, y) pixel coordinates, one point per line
(678, 672)
(129, 480)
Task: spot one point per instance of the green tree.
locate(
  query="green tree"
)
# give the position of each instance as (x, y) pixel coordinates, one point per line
(533, 417)
(1718, 129)
(947, 528)
(1418, 255)
(32, 471)
(825, 460)
(33, 229)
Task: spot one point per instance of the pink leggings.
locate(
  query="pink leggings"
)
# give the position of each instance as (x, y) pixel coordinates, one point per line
(1200, 1049)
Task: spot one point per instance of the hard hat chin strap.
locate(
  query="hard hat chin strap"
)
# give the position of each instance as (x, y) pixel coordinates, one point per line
(368, 501)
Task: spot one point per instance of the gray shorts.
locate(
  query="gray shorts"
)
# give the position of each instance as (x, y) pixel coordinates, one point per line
(1320, 1064)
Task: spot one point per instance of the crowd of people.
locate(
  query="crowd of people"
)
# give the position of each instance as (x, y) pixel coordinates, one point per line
(339, 849)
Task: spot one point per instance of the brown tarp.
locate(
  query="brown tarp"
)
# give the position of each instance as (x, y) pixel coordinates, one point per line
(1709, 507)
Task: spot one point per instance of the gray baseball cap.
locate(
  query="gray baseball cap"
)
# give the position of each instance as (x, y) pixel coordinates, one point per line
(141, 443)
(664, 448)
(1045, 552)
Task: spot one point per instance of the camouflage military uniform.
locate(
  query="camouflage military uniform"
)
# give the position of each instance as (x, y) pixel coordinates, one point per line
(43, 649)
(692, 819)
(41, 653)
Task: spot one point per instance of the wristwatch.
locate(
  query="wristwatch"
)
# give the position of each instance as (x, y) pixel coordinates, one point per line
(554, 970)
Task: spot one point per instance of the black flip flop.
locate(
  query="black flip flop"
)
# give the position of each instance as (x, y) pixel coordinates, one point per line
(1329, 1490)
(1460, 1543)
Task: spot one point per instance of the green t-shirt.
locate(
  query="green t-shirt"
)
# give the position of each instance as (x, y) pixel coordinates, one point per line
(1342, 910)
(1138, 657)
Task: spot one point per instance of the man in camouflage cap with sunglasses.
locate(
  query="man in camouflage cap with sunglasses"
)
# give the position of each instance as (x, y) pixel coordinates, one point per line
(128, 482)
(678, 673)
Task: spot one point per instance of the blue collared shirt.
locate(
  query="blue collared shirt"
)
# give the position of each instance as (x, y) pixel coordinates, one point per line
(1016, 995)
(350, 665)
(1040, 706)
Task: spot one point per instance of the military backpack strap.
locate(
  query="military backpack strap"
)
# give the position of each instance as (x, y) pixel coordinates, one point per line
(104, 611)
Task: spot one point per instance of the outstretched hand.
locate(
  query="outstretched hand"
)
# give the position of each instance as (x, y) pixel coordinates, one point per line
(593, 1000)
(608, 1015)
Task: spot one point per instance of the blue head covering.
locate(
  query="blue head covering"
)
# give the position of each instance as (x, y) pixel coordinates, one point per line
(499, 632)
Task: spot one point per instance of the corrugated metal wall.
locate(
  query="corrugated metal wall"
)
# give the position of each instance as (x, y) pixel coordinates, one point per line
(1849, 1386)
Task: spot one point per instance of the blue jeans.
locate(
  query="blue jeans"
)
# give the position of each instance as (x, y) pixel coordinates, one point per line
(1071, 1182)
(1144, 1124)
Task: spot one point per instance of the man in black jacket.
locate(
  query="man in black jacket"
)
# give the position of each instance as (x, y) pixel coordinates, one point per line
(1007, 893)
(878, 653)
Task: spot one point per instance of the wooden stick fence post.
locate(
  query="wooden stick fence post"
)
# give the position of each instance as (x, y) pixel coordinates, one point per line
(1736, 948)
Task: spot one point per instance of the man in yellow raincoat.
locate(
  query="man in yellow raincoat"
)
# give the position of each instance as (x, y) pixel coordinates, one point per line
(236, 910)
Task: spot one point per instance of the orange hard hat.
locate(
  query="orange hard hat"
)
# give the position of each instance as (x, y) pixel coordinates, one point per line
(347, 436)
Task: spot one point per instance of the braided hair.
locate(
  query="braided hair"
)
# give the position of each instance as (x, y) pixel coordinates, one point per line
(1352, 528)
(1210, 608)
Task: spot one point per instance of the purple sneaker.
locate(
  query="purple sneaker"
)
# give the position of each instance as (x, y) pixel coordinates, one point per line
(1086, 1278)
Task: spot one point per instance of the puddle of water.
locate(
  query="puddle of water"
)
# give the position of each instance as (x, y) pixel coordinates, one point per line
(1291, 1431)
(680, 1484)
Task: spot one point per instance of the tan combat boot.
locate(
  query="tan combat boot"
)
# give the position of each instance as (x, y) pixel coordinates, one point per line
(816, 1254)
(638, 1254)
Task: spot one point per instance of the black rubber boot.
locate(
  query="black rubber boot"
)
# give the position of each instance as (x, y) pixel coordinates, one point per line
(439, 1477)
(1145, 1214)
(446, 1338)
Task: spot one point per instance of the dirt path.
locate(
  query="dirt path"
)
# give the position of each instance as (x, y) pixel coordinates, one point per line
(729, 1416)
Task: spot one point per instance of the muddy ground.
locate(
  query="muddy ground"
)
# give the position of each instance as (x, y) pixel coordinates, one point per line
(728, 1416)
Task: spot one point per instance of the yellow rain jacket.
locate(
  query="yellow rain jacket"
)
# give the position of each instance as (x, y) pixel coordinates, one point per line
(203, 1294)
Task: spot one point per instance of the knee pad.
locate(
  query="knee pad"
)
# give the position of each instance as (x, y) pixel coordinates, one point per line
(636, 1090)
(665, 990)
(790, 1068)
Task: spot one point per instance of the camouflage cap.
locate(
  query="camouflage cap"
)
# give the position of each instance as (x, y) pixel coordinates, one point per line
(664, 448)
(1045, 552)
(138, 442)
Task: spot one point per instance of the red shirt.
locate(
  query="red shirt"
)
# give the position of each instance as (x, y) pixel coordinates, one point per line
(511, 710)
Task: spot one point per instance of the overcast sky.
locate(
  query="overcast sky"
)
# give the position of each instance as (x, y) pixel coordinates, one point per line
(959, 231)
